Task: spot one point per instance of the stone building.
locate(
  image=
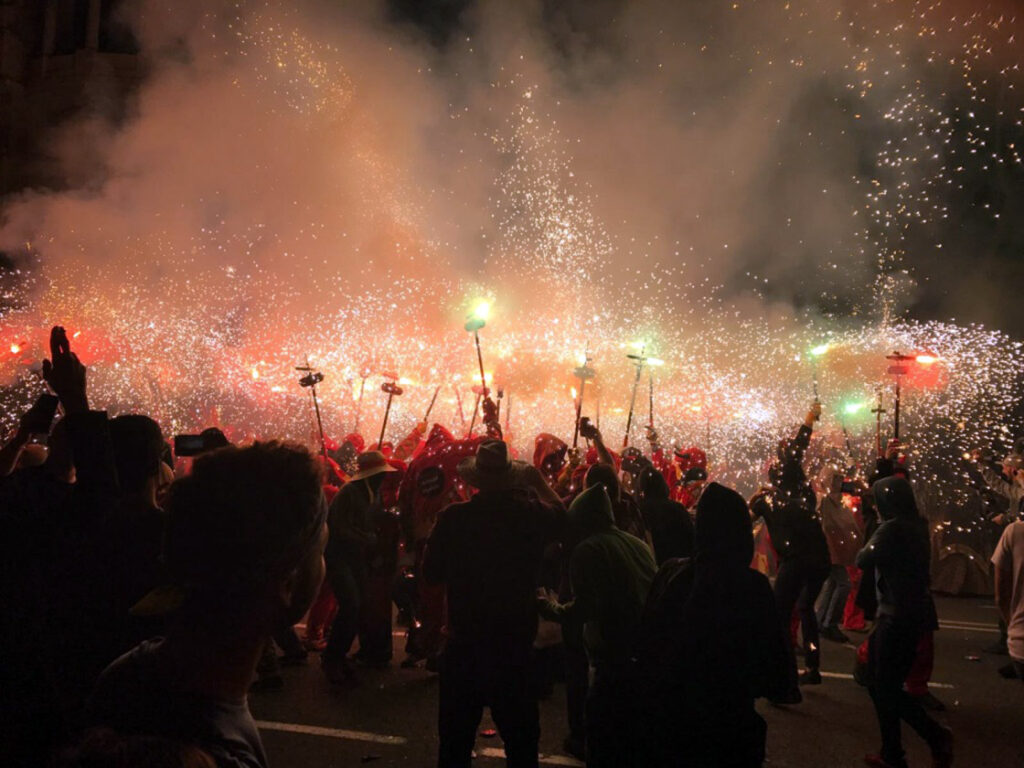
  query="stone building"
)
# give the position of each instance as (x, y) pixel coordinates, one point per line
(58, 59)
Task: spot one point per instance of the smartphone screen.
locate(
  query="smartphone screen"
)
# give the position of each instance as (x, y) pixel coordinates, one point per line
(188, 445)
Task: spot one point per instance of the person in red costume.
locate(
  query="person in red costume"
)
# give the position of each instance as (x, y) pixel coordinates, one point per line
(430, 483)
(686, 472)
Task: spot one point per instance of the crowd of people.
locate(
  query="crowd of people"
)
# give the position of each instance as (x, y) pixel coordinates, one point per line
(146, 595)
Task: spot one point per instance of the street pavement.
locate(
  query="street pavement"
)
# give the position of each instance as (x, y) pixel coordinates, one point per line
(389, 719)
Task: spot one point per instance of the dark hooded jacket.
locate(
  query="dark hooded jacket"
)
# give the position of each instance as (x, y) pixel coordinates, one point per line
(668, 521)
(899, 553)
(611, 573)
(729, 647)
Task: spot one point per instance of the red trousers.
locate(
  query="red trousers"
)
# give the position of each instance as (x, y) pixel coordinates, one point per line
(853, 617)
(920, 673)
(321, 613)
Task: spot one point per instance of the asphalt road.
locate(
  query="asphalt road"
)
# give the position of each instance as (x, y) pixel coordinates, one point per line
(390, 718)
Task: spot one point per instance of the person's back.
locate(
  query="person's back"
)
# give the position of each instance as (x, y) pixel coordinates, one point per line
(733, 647)
(900, 553)
(668, 521)
(244, 555)
(488, 552)
(612, 570)
(223, 727)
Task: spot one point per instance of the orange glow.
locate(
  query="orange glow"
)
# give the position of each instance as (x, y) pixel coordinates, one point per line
(926, 359)
(15, 349)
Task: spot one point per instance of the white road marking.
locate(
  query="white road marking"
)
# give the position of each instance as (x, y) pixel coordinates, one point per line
(544, 759)
(333, 733)
(970, 626)
(844, 676)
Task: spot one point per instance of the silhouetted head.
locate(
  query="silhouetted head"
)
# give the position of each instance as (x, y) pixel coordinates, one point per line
(724, 537)
(651, 485)
(138, 451)
(604, 474)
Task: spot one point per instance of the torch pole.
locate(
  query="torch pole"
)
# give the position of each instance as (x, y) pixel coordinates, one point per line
(632, 403)
(384, 426)
(319, 421)
(359, 404)
(458, 400)
(508, 414)
(650, 398)
(579, 413)
(896, 412)
(480, 359)
(472, 421)
(430, 407)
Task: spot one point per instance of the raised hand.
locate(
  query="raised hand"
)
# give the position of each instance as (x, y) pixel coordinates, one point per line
(65, 374)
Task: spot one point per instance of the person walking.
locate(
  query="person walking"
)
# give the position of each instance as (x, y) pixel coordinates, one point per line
(899, 554)
(611, 573)
(352, 525)
(844, 541)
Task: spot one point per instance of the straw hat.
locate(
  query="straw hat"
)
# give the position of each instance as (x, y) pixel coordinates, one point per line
(369, 464)
(493, 467)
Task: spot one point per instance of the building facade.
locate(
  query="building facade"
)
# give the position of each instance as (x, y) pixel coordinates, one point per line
(59, 59)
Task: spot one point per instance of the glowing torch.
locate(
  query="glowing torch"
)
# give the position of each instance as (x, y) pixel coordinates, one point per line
(817, 352)
(309, 381)
(392, 390)
(584, 373)
(640, 361)
(476, 320)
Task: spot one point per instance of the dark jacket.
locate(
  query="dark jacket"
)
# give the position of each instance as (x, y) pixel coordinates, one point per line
(611, 573)
(487, 552)
(791, 512)
(668, 521)
(351, 525)
(900, 554)
(728, 647)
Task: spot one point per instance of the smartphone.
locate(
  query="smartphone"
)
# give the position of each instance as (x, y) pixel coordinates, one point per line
(39, 417)
(851, 488)
(189, 445)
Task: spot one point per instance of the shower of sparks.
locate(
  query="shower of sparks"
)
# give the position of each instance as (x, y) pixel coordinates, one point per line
(210, 344)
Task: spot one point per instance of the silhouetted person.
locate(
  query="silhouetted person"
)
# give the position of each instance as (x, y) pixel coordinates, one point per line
(804, 562)
(713, 643)
(352, 520)
(899, 554)
(611, 573)
(487, 552)
(244, 554)
(668, 521)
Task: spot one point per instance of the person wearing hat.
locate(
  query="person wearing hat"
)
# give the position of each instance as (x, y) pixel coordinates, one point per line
(487, 553)
(611, 572)
(243, 550)
(352, 524)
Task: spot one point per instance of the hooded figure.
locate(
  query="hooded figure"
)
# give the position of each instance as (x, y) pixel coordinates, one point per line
(611, 573)
(549, 454)
(899, 553)
(668, 521)
(728, 647)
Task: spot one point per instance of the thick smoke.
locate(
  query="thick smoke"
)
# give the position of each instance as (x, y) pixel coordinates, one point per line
(327, 179)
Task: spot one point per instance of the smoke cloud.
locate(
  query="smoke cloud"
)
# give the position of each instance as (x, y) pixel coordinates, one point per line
(330, 179)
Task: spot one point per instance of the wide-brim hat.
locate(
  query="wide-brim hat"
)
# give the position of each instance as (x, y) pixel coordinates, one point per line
(493, 467)
(369, 464)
